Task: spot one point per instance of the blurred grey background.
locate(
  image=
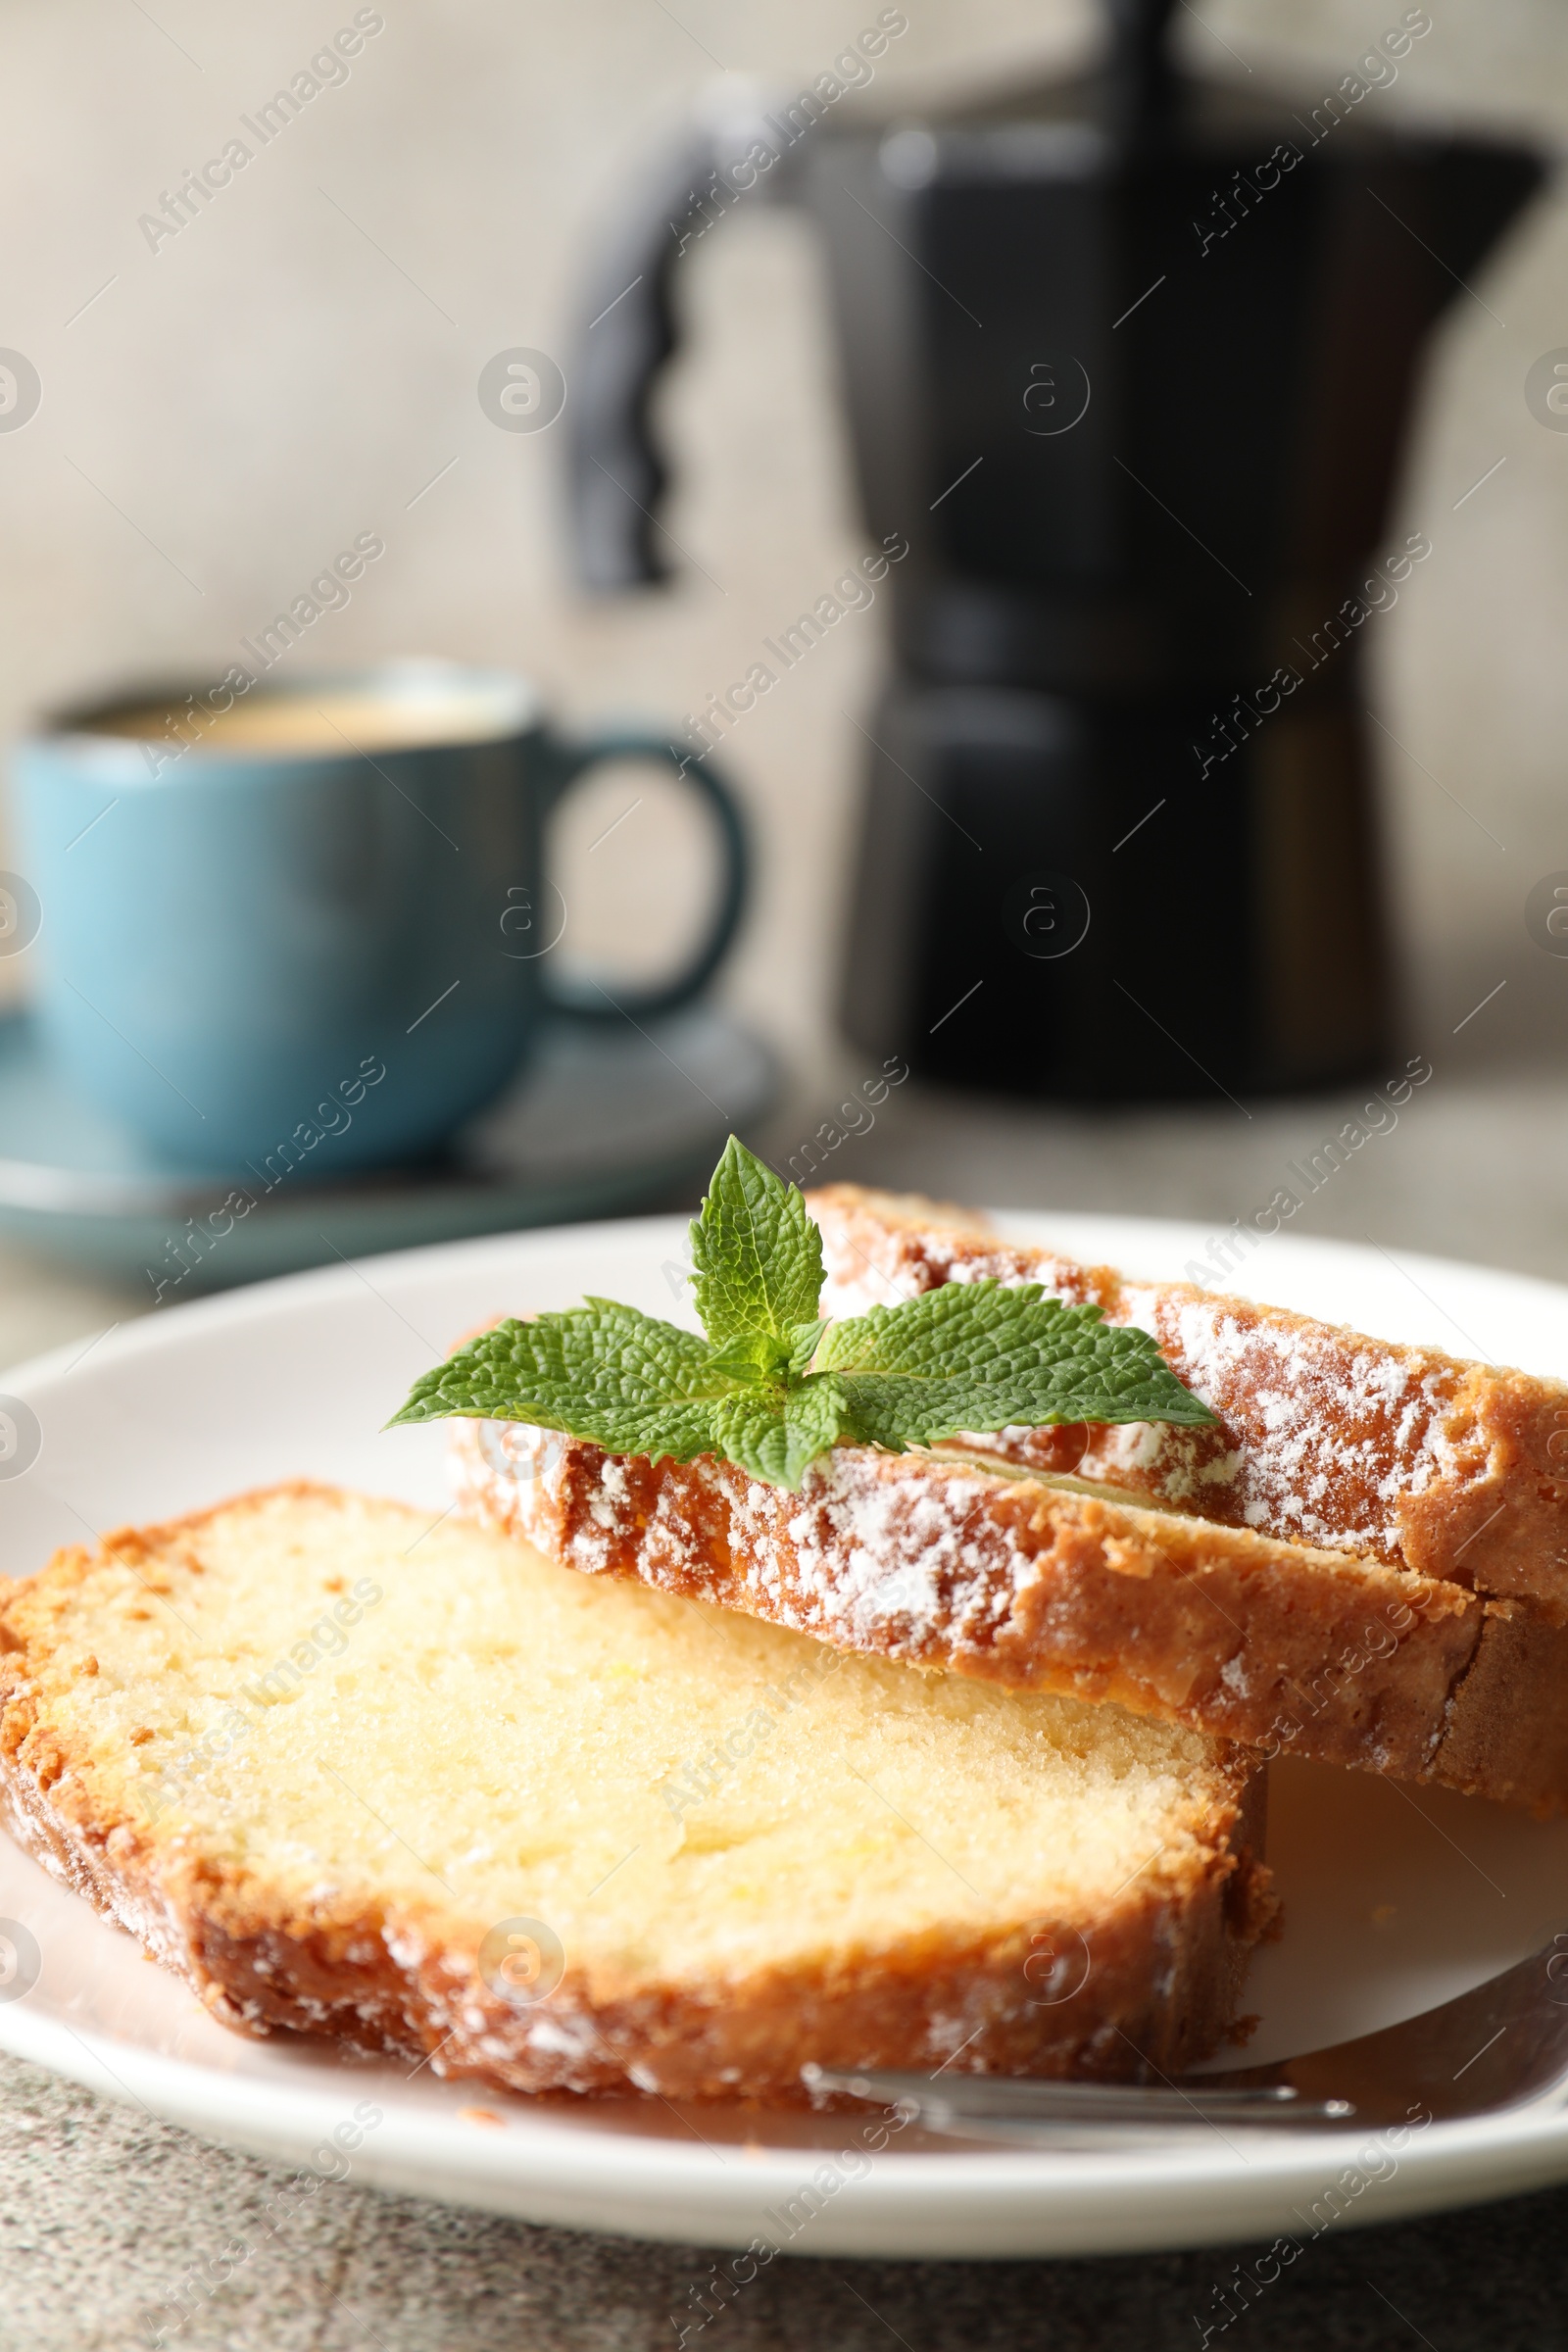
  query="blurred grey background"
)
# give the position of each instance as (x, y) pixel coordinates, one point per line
(300, 363)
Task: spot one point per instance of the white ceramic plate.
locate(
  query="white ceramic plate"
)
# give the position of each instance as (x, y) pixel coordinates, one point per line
(1394, 1899)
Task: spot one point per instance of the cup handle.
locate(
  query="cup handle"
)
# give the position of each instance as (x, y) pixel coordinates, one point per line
(587, 1003)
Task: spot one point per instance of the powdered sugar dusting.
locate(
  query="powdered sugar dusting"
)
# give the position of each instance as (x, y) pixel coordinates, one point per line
(889, 1552)
(1324, 1434)
(894, 1556)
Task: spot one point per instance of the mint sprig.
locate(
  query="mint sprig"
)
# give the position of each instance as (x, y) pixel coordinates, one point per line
(757, 1262)
(772, 1386)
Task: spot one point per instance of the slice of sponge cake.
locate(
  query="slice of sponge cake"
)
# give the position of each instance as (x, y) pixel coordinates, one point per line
(1452, 1469)
(411, 1785)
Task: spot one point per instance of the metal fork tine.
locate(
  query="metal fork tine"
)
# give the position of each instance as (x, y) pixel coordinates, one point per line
(1500, 2045)
(1008, 2100)
(1001, 2094)
(1011, 2090)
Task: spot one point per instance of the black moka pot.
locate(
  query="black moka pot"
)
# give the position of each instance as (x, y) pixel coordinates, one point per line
(1128, 363)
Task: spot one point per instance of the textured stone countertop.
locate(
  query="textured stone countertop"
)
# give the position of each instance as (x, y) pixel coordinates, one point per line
(103, 2207)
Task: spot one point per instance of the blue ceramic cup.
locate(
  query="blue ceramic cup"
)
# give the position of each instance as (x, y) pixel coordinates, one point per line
(278, 912)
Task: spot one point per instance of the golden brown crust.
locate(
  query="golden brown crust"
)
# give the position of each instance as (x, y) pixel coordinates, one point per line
(1508, 1730)
(1403, 1455)
(1165, 1962)
(934, 1561)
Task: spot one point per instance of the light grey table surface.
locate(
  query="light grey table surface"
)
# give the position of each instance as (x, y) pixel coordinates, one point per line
(102, 2209)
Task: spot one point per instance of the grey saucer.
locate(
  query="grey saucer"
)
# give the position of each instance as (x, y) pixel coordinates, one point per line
(604, 1122)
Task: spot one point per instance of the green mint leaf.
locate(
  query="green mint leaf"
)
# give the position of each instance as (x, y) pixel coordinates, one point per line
(803, 1345)
(967, 1356)
(757, 1256)
(755, 1358)
(975, 1357)
(777, 1435)
(600, 1371)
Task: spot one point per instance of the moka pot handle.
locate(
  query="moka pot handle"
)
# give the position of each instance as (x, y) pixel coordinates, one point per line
(731, 152)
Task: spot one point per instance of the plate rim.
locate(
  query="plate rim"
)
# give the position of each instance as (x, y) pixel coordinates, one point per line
(975, 2204)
